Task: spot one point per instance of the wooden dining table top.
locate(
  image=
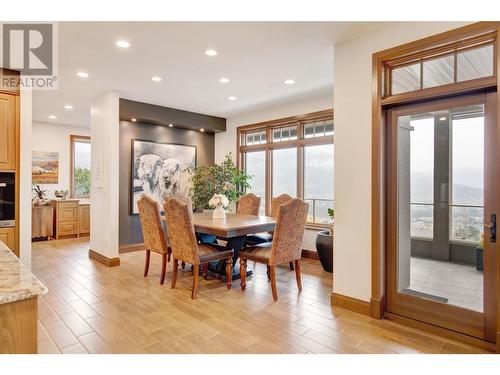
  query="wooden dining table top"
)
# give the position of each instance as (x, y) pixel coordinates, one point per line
(234, 225)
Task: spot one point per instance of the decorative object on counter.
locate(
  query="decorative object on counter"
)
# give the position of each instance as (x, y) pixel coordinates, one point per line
(224, 178)
(219, 202)
(45, 167)
(324, 245)
(62, 194)
(160, 170)
(40, 196)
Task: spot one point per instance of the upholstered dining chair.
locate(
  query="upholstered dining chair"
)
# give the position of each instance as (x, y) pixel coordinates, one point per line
(249, 204)
(286, 246)
(154, 236)
(258, 238)
(185, 247)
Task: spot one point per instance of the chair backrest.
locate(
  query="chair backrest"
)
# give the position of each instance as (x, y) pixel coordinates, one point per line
(152, 230)
(181, 231)
(277, 202)
(184, 199)
(249, 204)
(289, 232)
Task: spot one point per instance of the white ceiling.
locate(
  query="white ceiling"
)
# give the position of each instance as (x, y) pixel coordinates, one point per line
(256, 56)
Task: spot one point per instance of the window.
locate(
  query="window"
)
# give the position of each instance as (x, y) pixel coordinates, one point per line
(297, 160)
(255, 166)
(80, 166)
(457, 63)
(285, 172)
(467, 189)
(318, 181)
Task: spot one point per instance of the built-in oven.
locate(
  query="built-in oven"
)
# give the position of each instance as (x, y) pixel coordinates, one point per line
(7, 199)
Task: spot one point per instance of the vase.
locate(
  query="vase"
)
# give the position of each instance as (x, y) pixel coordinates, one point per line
(219, 213)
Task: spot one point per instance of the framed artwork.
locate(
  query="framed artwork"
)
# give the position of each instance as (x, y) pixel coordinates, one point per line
(45, 167)
(160, 170)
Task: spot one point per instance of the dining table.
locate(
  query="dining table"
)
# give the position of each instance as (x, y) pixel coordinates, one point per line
(233, 229)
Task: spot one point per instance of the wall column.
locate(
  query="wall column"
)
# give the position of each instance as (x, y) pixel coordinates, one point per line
(104, 212)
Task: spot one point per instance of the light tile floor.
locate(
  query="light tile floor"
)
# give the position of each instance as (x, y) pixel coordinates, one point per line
(461, 284)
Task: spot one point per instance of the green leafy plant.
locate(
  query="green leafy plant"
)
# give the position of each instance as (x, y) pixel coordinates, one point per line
(82, 181)
(331, 213)
(224, 178)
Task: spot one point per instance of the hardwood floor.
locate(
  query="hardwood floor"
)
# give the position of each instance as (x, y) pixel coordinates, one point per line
(94, 309)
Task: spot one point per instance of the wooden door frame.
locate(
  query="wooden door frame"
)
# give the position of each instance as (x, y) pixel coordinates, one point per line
(378, 301)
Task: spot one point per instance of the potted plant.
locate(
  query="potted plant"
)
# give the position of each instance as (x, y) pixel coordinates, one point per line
(324, 245)
(480, 254)
(224, 178)
(40, 196)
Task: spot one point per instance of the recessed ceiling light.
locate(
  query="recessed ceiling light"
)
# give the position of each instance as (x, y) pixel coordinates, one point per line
(202, 130)
(231, 98)
(211, 52)
(224, 80)
(156, 79)
(442, 118)
(82, 74)
(52, 117)
(68, 106)
(171, 125)
(289, 82)
(122, 44)
(134, 119)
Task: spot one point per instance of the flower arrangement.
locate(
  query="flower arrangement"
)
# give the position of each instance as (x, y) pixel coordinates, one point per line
(219, 202)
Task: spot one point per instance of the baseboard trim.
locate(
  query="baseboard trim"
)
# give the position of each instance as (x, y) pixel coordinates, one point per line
(108, 262)
(377, 308)
(443, 332)
(309, 254)
(131, 248)
(350, 303)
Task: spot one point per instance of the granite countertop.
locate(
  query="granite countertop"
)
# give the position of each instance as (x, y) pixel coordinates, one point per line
(16, 281)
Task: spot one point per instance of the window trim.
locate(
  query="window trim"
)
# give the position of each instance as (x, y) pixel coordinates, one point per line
(269, 146)
(72, 139)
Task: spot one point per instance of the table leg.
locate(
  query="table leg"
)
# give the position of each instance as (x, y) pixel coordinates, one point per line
(235, 243)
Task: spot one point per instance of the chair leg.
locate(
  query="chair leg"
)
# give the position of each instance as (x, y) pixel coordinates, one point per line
(204, 270)
(146, 265)
(297, 275)
(272, 270)
(291, 266)
(174, 277)
(229, 272)
(268, 274)
(163, 268)
(243, 273)
(183, 265)
(196, 271)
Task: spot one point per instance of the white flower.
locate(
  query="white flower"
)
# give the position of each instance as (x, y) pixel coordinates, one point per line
(218, 200)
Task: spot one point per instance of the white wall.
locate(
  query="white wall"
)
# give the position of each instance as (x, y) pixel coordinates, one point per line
(104, 213)
(226, 142)
(25, 178)
(56, 138)
(353, 95)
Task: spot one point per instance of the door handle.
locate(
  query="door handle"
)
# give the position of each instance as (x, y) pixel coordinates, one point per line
(492, 226)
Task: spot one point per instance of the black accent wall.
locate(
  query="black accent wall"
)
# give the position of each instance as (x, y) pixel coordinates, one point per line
(130, 229)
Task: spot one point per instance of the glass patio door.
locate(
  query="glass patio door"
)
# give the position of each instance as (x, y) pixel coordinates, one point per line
(442, 203)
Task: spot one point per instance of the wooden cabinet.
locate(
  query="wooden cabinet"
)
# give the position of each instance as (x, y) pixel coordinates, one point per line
(84, 220)
(8, 237)
(65, 218)
(8, 138)
(42, 221)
